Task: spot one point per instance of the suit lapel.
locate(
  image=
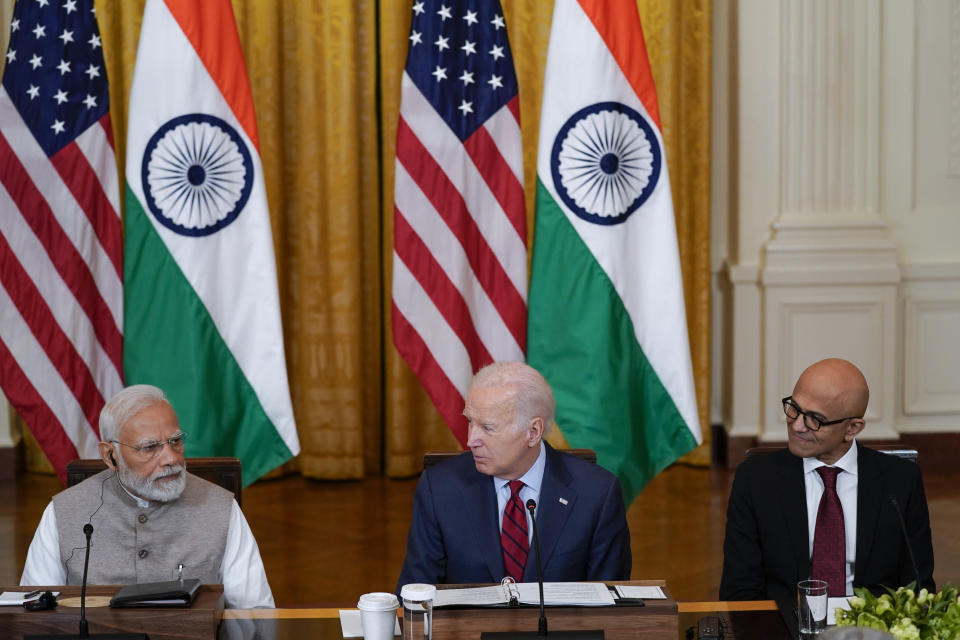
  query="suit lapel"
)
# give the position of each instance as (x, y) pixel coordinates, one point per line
(869, 498)
(552, 514)
(794, 510)
(480, 512)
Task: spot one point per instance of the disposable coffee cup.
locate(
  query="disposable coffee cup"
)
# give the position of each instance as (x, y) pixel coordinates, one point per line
(378, 615)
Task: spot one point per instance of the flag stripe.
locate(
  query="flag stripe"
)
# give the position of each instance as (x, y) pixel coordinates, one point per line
(447, 201)
(444, 294)
(221, 55)
(72, 165)
(62, 252)
(67, 313)
(43, 376)
(504, 128)
(618, 23)
(498, 175)
(639, 430)
(48, 333)
(58, 201)
(458, 171)
(446, 397)
(446, 249)
(96, 144)
(45, 426)
(182, 352)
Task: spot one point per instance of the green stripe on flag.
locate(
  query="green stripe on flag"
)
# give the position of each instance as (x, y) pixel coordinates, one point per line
(170, 341)
(581, 338)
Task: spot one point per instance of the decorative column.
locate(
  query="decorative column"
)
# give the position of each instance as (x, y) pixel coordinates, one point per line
(830, 271)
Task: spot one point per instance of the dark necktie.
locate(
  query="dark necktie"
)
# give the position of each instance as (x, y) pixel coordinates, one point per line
(513, 536)
(829, 538)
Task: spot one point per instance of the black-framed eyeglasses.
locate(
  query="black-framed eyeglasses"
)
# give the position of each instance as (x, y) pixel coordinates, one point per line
(810, 421)
(151, 448)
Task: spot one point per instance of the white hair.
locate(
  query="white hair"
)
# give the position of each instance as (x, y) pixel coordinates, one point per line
(126, 404)
(531, 395)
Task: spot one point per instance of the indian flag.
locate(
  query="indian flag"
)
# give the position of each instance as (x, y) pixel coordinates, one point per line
(201, 308)
(607, 326)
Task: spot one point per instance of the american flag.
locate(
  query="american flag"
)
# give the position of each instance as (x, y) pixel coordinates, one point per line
(61, 250)
(460, 256)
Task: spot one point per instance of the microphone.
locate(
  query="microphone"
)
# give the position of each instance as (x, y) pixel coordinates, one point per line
(590, 634)
(84, 627)
(906, 539)
(542, 625)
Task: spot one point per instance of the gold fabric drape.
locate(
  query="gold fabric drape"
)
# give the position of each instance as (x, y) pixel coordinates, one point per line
(327, 126)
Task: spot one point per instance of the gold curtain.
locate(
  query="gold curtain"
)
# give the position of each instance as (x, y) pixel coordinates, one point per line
(327, 129)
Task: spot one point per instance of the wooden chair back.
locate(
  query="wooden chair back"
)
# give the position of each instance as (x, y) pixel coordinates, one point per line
(224, 472)
(431, 458)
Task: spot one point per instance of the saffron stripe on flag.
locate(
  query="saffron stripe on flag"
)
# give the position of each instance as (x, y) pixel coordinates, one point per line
(48, 333)
(70, 265)
(449, 203)
(446, 397)
(422, 265)
(49, 431)
(618, 24)
(449, 253)
(222, 56)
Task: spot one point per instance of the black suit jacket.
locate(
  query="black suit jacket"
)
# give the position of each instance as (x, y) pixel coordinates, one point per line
(455, 536)
(766, 550)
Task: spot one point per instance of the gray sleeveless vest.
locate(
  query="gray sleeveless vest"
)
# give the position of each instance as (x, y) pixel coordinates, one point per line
(132, 544)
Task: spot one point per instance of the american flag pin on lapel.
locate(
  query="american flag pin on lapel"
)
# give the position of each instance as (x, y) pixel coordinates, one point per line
(563, 501)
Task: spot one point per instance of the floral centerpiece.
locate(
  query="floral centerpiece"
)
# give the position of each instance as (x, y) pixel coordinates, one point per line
(905, 614)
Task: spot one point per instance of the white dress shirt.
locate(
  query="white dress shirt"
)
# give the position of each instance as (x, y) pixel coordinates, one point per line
(244, 580)
(531, 480)
(847, 491)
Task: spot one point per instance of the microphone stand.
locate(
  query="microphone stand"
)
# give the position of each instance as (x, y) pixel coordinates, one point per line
(906, 540)
(590, 634)
(84, 627)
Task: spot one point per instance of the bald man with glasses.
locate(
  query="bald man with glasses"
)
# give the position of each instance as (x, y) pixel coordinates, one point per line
(826, 506)
(152, 521)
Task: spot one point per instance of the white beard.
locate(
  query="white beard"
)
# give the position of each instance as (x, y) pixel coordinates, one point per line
(148, 489)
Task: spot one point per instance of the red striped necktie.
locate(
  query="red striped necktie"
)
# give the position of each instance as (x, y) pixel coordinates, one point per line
(513, 534)
(829, 538)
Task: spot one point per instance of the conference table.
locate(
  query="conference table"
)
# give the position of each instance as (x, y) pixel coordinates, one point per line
(759, 620)
(206, 619)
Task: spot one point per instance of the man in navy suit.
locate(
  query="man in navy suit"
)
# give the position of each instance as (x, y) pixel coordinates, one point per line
(774, 512)
(465, 528)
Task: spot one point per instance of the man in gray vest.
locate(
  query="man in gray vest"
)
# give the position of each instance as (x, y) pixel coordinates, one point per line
(152, 520)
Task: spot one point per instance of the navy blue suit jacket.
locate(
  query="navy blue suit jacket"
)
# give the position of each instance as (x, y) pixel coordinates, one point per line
(766, 550)
(455, 537)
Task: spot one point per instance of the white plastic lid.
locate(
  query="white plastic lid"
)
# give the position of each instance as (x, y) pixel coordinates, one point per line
(378, 601)
(418, 592)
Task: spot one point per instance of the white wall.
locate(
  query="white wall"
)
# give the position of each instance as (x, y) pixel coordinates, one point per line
(836, 206)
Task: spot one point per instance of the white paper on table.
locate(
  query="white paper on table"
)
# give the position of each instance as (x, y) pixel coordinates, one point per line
(842, 602)
(576, 594)
(15, 598)
(644, 593)
(351, 624)
(469, 596)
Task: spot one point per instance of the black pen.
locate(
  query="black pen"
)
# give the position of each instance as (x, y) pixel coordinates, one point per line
(32, 594)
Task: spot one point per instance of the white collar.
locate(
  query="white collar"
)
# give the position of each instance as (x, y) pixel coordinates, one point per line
(847, 462)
